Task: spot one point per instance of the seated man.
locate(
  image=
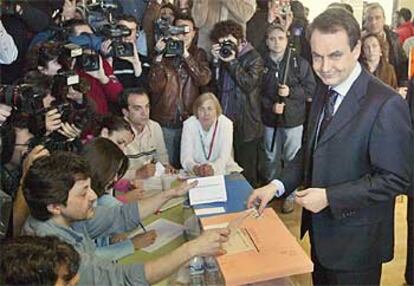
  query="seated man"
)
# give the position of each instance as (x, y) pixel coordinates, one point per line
(62, 203)
(148, 146)
(47, 260)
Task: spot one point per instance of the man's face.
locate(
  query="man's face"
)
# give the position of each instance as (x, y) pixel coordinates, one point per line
(81, 200)
(138, 109)
(375, 21)
(333, 59)
(23, 137)
(168, 14)
(133, 27)
(187, 38)
(277, 41)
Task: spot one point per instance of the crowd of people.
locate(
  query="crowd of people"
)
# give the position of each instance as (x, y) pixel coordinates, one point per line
(96, 97)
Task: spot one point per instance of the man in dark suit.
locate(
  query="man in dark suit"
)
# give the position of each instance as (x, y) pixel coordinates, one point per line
(356, 158)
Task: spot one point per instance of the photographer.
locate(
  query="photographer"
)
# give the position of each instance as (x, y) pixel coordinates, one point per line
(175, 79)
(129, 69)
(104, 86)
(288, 80)
(238, 70)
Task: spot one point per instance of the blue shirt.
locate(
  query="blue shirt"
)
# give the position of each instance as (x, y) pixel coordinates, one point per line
(106, 221)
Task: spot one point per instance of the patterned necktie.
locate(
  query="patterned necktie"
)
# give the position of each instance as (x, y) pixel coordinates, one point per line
(328, 112)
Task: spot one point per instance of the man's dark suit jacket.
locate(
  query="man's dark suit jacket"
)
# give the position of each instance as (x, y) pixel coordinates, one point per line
(364, 160)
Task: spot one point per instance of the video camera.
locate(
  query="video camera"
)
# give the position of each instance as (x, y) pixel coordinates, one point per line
(115, 33)
(164, 29)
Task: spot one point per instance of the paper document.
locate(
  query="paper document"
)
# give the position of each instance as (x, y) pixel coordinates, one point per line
(166, 231)
(208, 211)
(209, 190)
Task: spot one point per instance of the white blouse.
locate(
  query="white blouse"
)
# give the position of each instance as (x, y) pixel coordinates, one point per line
(194, 139)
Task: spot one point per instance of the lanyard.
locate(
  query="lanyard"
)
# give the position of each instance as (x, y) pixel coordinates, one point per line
(211, 143)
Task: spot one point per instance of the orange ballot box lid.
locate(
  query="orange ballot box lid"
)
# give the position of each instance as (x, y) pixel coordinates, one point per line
(259, 249)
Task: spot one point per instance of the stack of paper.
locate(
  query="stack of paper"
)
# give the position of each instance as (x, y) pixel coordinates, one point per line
(208, 190)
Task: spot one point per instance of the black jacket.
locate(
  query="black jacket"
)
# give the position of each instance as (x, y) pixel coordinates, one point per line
(301, 83)
(246, 72)
(364, 160)
(396, 56)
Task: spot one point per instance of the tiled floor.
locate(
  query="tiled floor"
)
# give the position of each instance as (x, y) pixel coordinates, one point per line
(393, 272)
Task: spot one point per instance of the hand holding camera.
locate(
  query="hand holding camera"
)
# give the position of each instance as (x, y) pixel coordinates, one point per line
(226, 50)
(52, 120)
(5, 112)
(100, 73)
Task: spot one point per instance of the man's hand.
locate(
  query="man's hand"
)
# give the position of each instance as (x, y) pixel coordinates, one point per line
(146, 171)
(99, 74)
(181, 190)
(403, 91)
(278, 108)
(5, 112)
(52, 120)
(106, 47)
(36, 153)
(312, 199)
(69, 130)
(69, 9)
(210, 243)
(143, 240)
(283, 90)
(261, 196)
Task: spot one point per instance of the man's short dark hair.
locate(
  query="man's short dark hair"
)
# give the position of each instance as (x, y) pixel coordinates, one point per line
(405, 14)
(345, 6)
(50, 179)
(123, 99)
(184, 17)
(128, 18)
(225, 28)
(31, 260)
(333, 20)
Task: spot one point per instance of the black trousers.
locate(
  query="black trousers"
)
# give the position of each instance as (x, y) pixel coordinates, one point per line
(246, 154)
(325, 276)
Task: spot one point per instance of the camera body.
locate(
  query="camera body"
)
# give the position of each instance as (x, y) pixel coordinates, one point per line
(115, 33)
(173, 47)
(227, 47)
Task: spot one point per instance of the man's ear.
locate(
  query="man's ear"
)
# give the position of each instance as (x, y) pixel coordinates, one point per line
(54, 209)
(125, 112)
(104, 132)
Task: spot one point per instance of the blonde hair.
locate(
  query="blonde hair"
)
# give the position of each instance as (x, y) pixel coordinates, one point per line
(203, 98)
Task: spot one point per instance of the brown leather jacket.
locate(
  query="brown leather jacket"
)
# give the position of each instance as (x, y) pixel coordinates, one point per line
(175, 84)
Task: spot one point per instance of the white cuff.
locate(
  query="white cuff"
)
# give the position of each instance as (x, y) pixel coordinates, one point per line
(280, 188)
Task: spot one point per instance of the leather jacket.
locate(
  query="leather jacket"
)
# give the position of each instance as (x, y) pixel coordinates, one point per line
(174, 85)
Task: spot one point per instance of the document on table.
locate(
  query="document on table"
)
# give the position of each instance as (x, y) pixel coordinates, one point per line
(166, 231)
(209, 190)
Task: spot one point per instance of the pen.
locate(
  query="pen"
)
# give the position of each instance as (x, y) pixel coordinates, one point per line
(142, 226)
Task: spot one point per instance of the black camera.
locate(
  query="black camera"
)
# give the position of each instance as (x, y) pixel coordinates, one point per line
(89, 62)
(115, 33)
(67, 77)
(26, 98)
(173, 48)
(227, 48)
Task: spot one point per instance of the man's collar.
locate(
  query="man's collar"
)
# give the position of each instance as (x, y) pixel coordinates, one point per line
(346, 85)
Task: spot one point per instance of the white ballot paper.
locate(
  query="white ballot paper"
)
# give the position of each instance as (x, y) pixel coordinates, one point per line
(166, 231)
(209, 190)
